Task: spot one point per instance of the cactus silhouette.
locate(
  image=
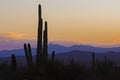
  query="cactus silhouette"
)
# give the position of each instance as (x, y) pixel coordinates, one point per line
(53, 56)
(42, 42)
(105, 57)
(71, 60)
(13, 62)
(93, 60)
(28, 54)
(39, 39)
(45, 45)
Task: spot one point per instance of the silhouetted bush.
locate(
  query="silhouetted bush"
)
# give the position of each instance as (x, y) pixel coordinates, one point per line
(60, 71)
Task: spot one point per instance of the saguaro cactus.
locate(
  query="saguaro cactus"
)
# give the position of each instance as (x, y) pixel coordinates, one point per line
(13, 62)
(45, 45)
(39, 38)
(105, 57)
(93, 60)
(53, 56)
(28, 55)
(71, 60)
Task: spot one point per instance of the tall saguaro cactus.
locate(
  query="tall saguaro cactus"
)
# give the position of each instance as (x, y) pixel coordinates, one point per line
(45, 43)
(45, 47)
(28, 54)
(39, 38)
(42, 42)
(13, 62)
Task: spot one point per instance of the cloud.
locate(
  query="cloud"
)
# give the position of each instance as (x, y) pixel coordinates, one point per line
(12, 35)
(13, 40)
(10, 44)
(64, 43)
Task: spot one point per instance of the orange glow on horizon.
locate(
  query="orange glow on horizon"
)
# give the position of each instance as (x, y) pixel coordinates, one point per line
(93, 22)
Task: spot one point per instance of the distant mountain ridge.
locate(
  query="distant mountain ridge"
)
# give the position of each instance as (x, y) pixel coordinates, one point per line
(61, 49)
(83, 57)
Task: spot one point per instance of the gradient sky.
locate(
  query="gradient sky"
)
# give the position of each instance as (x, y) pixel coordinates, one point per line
(94, 22)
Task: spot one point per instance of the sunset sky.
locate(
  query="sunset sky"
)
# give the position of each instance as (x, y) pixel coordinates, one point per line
(92, 22)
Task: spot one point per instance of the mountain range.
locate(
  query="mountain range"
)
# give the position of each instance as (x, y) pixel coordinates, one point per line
(62, 49)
